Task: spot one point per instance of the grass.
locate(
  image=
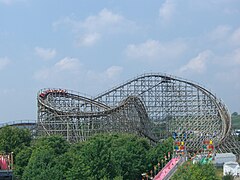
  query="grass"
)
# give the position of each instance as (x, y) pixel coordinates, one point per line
(219, 172)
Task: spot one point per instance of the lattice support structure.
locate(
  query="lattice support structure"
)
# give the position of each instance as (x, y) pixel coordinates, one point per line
(150, 105)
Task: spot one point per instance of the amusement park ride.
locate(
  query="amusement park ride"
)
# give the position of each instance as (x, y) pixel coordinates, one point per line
(6, 166)
(155, 106)
(151, 105)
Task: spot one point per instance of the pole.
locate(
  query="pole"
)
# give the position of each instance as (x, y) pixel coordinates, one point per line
(67, 132)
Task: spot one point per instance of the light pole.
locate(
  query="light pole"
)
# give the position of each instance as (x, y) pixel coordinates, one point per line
(11, 160)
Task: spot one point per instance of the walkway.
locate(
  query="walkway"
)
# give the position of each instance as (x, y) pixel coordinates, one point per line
(167, 171)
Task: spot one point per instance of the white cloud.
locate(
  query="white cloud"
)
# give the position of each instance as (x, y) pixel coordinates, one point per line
(153, 49)
(67, 21)
(148, 49)
(167, 10)
(71, 69)
(105, 76)
(88, 39)
(70, 73)
(62, 68)
(220, 32)
(4, 62)
(197, 64)
(225, 35)
(45, 53)
(92, 28)
(225, 60)
(104, 19)
(67, 63)
(113, 71)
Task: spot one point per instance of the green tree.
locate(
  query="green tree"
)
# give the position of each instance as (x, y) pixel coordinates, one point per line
(78, 169)
(94, 159)
(21, 161)
(56, 142)
(129, 154)
(197, 171)
(47, 159)
(157, 153)
(106, 156)
(14, 139)
(228, 176)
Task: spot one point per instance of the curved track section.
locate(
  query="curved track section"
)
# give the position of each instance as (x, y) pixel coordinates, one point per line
(77, 117)
(176, 106)
(27, 124)
(153, 105)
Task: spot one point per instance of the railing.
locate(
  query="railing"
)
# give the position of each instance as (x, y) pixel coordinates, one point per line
(169, 169)
(18, 122)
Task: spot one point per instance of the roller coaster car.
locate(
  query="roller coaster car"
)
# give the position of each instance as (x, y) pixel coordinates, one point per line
(56, 91)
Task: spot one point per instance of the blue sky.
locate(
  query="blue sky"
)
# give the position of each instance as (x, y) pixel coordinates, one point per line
(90, 46)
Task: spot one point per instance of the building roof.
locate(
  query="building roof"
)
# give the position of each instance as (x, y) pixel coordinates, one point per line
(231, 164)
(220, 155)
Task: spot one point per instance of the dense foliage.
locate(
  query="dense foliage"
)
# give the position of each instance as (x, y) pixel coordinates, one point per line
(197, 171)
(13, 139)
(159, 152)
(104, 156)
(110, 156)
(46, 159)
(235, 120)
